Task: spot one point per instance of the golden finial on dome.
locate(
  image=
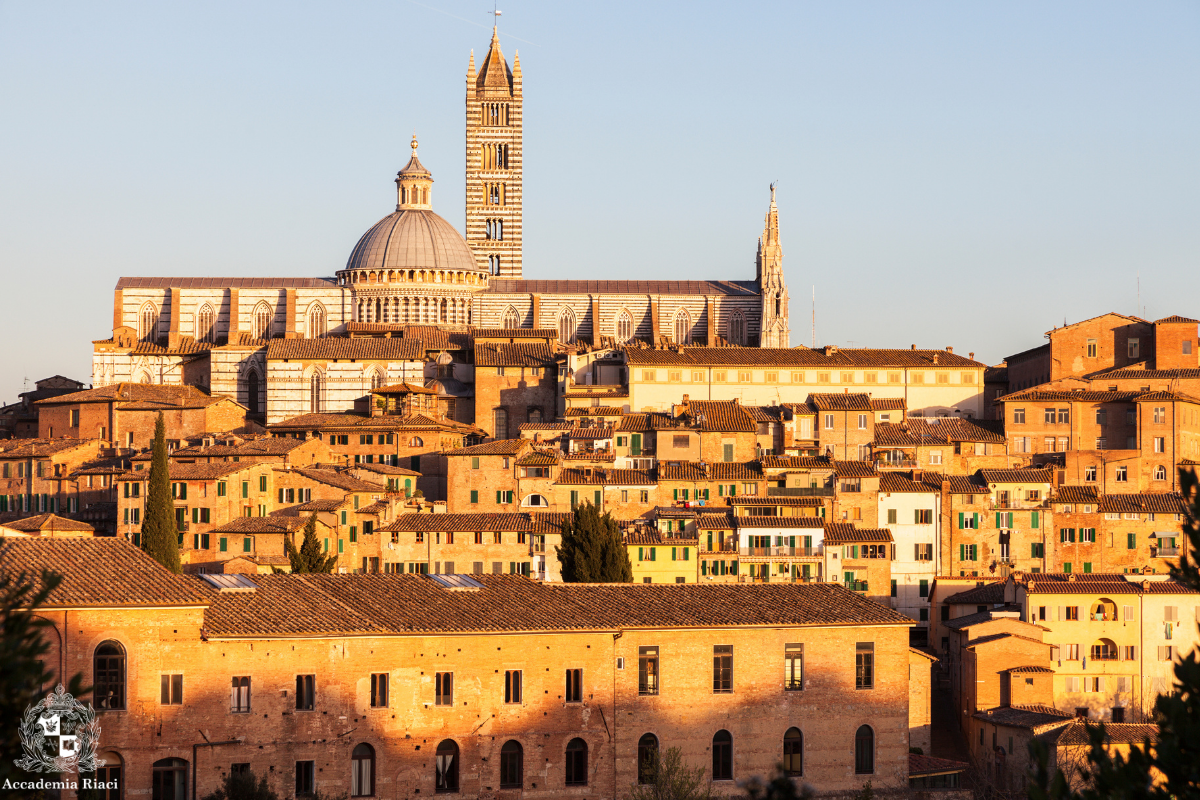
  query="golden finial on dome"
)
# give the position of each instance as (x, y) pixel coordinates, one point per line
(414, 144)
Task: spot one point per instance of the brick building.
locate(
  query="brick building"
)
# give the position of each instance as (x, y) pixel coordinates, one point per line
(636, 659)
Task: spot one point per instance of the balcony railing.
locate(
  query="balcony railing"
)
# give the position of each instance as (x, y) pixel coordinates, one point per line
(856, 586)
(1164, 552)
(728, 547)
(799, 491)
(897, 463)
(791, 552)
(1018, 505)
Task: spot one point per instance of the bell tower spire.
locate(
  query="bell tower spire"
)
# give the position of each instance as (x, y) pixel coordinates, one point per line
(772, 286)
(494, 191)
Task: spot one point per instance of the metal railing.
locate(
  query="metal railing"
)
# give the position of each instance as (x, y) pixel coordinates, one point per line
(799, 491)
(1166, 551)
(897, 463)
(1018, 505)
(794, 552)
(856, 586)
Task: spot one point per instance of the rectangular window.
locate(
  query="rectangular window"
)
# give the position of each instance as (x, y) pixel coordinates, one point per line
(923, 589)
(647, 670)
(793, 667)
(722, 668)
(512, 686)
(829, 422)
(306, 777)
(923, 516)
(1134, 348)
(1092, 347)
(239, 695)
(1049, 414)
(306, 692)
(1160, 444)
(574, 690)
(1019, 416)
(1089, 473)
(171, 690)
(1122, 475)
(892, 516)
(444, 689)
(680, 441)
(379, 690)
(864, 665)
(862, 422)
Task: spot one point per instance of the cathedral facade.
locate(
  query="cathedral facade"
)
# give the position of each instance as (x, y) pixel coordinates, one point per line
(412, 268)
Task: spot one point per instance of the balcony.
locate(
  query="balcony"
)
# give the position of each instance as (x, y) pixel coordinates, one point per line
(1164, 552)
(898, 463)
(786, 552)
(183, 526)
(856, 586)
(1019, 505)
(799, 491)
(727, 547)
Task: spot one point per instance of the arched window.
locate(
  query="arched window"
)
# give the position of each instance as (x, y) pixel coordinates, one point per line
(536, 501)
(108, 676)
(624, 326)
(170, 779)
(511, 320)
(1105, 610)
(148, 323)
(1104, 650)
(535, 415)
(1160, 473)
(512, 765)
(416, 441)
(683, 328)
(110, 774)
(737, 329)
(142, 377)
(793, 752)
(446, 767)
(206, 329)
(647, 758)
(262, 321)
(566, 326)
(252, 389)
(576, 763)
(864, 751)
(362, 771)
(314, 393)
(722, 753)
(378, 379)
(316, 321)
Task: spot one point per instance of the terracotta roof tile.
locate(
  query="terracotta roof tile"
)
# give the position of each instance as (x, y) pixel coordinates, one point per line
(496, 447)
(1032, 717)
(990, 594)
(1030, 670)
(341, 480)
(898, 482)
(603, 476)
(797, 356)
(796, 462)
(39, 448)
(919, 765)
(1175, 318)
(838, 533)
(140, 393)
(416, 604)
(721, 415)
(516, 333)
(332, 348)
(489, 354)
(1143, 503)
(773, 500)
(1016, 475)
(715, 522)
(654, 538)
(545, 426)
(575, 286)
(1076, 494)
(99, 571)
(1097, 583)
(595, 411)
(854, 469)
(840, 402)
(47, 522)
(387, 469)
(756, 521)
(1076, 734)
(273, 523)
(191, 472)
(591, 432)
(710, 471)
(887, 404)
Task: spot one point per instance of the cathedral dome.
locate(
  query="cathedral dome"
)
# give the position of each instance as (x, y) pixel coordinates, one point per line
(412, 238)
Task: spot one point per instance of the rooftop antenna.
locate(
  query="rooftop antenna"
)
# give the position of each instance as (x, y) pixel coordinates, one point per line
(814, 317)
(1139, 294)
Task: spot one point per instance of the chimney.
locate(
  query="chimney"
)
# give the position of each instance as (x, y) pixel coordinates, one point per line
(914, 347)
(935, 357)
(971, 356)
(950, 350)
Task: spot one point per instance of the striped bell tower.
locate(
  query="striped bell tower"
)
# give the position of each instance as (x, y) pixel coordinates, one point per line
(494, 192)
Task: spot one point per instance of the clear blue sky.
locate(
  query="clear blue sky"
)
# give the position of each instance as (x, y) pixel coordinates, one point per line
(950, 173)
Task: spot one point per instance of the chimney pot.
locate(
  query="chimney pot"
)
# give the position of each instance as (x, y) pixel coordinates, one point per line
(949, 349)
(971, 356)
(914, 347)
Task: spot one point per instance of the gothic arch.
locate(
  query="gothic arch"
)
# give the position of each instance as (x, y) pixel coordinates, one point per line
(316, 391)
(737, 328)
(683, 327)
(315, 326)
(206, 324)
(148, 322)
(566, 325)
(253, 391)
(143, 376)
(262, 320)
(511, 318)
(376, 377)
(624, 326)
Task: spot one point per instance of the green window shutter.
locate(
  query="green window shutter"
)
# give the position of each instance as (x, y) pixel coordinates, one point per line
(960, 519)
(924, 588)
(706, 494)
(281, 495)
(195, 516)
(353, 533)
(497, 497)
(733, 490)
(854, 551)
(687, 554)
(975, 520)
(710, 533)
(893, 588)
(224, 544)
(641, 553)
(246, 541)
(674, 494)
(341, 545)
(1035, 519)
(733, 568)
(674, 550)
(703, 567)
(326, 544)
(1131, 541)
(597, 493)
(720, 490)
(474, 495)
(999, 524)
(1033, 550)
(653, 553)
(343, 517)
(962, 552)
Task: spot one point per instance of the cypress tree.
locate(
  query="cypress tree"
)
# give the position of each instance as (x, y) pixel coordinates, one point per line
(160, 536)
(309, 558)
(592, 550)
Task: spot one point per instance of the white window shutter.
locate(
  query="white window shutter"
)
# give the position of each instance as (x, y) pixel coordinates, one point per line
(1061, 614)
(1127, 613)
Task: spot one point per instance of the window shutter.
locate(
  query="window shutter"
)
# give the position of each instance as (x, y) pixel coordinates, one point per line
(687, 554)
(998, 523)
(1061, 614)
(674, 494)
(960, 519)
(720, 490)
(281, 495)
(703, 567)
(733, 490)
(674, 550)
(962, 552)
(1035, 519)
(975, 519)
(497, 497)
(641, 553)
(1127, 613)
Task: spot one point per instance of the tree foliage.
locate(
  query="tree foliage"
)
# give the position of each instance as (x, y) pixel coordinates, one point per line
(160, 536)
(243, 786)
(671, 779)
(309, 558)
(1174, 760)
(592, 550)
(782, 787)
(23, 673)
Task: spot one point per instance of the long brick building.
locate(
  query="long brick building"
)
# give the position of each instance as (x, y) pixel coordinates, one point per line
(405, 685)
